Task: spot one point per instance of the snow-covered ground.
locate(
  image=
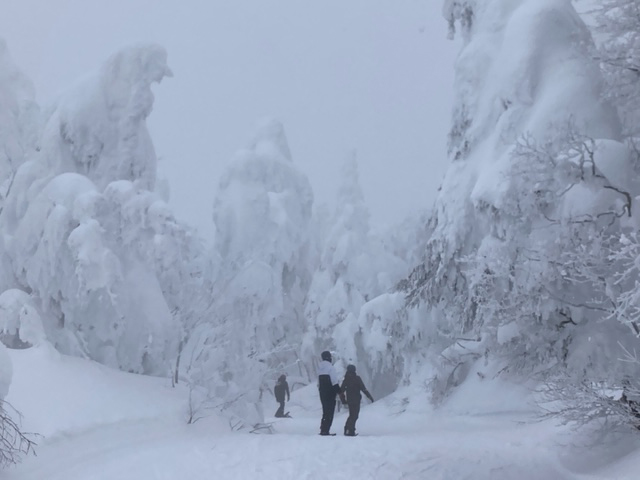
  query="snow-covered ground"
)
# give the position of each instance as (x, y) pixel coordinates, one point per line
(99, 423)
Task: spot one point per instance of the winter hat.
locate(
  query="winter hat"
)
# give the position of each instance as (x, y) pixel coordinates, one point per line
(351, 369)
(326, 355)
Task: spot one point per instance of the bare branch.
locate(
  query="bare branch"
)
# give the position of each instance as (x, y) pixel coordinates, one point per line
(14, 444)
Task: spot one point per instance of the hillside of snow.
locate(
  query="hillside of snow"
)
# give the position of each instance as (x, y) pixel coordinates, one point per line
(98, 423)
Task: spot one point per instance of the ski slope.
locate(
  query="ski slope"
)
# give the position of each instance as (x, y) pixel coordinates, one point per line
(103, 424)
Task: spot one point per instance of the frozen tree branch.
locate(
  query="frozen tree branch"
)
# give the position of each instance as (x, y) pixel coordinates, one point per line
(14, 444)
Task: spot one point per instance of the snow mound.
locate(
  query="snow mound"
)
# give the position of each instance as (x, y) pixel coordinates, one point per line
(61, 395)
(485, 393)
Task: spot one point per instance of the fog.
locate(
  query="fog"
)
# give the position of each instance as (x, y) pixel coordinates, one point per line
(375, 77)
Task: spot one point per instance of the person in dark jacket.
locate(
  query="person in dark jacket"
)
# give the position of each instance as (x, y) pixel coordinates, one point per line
(351, 387)
(281, 388)
(328, 387)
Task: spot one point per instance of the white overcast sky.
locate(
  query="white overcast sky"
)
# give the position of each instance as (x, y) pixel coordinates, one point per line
(370, 75)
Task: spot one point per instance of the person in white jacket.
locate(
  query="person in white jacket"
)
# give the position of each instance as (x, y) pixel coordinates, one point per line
(328, 387)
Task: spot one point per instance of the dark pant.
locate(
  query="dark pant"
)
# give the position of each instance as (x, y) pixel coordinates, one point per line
(328, 407)
(280, 411)
(350, 424)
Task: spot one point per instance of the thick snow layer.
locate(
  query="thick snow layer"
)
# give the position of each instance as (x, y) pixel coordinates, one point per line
(61, 396)
(102, 424)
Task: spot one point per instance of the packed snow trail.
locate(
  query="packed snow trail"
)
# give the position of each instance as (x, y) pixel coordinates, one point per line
(170, 449)
(102, 424)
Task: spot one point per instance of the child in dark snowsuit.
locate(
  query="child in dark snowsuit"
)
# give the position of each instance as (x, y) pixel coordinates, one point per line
(352, 385)
(328, 387)
(279, 391)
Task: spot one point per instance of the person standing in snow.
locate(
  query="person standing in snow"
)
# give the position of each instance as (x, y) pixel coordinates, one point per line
(351, 387)
(328, 387)
(281, 388)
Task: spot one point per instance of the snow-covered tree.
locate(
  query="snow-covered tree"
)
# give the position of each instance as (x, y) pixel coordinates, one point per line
(98, 129)
(18, 134)
(18, 120)
(355, 267)
(262, 214)
(459, 12)
(618, 24)
(531, 186)
(83, 232)
(336, 292)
